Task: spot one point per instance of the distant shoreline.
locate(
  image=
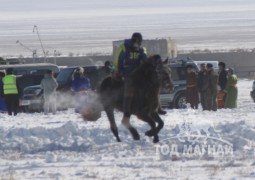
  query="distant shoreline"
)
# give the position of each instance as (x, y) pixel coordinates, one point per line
(206, 51)
(180, 53)
(243, 61)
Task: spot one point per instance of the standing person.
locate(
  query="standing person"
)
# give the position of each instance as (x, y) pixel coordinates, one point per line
(192, 89)
(49, 86)
(210, 89)
(80, 86)
(11, 92)
(128, 57)
(200, 83)
(222, 84)
(231, 88)
(3, 107)
(222, 76)
(105, 71)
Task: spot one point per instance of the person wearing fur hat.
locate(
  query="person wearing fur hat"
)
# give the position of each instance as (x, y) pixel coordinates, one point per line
(222, 76)
(221, 97)
(231, 89)
(80, 86)
(200, 83)
(192, 89)
(210, 89)
(49, 86)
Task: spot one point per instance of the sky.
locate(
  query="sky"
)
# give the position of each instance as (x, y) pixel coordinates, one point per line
(82, 27)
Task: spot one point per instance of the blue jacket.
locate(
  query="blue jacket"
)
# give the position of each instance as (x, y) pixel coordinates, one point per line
(81, 84)
(127, 59)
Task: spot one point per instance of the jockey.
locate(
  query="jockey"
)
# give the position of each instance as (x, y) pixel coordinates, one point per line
(128, 57)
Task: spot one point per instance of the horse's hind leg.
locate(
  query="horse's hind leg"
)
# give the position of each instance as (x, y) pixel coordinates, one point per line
(114, 128)
(133, 131)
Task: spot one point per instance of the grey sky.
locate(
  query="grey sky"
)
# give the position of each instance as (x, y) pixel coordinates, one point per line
(91, 25)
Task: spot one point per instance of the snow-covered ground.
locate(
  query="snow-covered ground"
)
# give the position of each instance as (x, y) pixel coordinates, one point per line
(35, 146)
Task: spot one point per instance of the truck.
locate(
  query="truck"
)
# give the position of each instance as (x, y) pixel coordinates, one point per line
(165, 47)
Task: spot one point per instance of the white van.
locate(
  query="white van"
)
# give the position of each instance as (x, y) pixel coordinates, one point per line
(28, 69)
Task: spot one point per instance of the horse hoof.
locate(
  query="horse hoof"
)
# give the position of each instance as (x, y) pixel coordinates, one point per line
(162, 112)
(155, 140)
(136, 138)
(149, 133)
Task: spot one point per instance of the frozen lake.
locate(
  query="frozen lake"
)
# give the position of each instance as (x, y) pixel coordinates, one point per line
(91, 26)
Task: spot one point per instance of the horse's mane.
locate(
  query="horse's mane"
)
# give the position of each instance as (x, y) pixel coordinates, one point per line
(145, 75)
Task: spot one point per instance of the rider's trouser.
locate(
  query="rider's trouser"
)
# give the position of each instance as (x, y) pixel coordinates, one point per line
(128, 96)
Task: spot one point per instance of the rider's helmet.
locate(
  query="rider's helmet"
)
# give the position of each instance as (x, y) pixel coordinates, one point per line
(137, 39)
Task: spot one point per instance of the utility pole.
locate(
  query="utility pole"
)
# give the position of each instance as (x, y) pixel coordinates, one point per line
(35, 29)
(27, 48)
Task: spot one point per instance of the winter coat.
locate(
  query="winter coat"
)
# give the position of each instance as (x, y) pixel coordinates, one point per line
(80, 84)
(210, 83)
(200, 82)
(49, 85)
(10, 84)
(128, 59)
(223, 79)
(1, 88)
(209, 91)
(231, 99)
(3, 107)
(192, 90)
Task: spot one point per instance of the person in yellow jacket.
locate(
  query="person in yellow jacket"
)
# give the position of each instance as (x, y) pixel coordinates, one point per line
(11, 92)
(129, 56)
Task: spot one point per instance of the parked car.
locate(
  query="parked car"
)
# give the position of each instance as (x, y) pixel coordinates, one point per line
(177, 98)
(253, 91)
(32, 99)
(30, 74)
(33, 96)
(28, 80)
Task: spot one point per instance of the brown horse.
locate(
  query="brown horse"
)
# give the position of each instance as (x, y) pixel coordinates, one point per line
(146, 82)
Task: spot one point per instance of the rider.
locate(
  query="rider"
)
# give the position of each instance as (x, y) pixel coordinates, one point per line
(128, 57)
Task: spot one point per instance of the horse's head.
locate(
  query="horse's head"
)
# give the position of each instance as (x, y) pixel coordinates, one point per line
(163, 71)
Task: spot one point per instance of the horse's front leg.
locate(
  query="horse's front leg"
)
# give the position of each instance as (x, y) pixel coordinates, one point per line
(133, 131)
(114, 128)
(160, 122)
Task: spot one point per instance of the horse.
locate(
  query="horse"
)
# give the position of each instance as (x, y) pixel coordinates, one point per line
(146, 82)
